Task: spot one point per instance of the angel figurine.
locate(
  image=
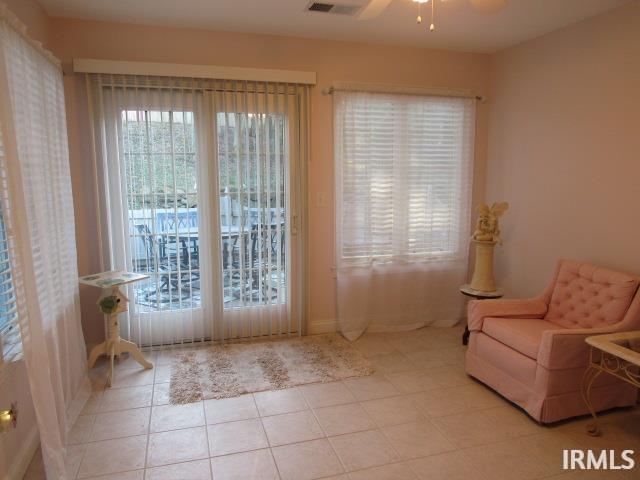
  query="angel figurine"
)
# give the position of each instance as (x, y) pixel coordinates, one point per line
(487, 227)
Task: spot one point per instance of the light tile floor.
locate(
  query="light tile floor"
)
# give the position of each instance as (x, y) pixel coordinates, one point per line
(419, 417)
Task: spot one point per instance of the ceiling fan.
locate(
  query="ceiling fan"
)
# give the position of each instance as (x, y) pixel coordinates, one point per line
(376, 7)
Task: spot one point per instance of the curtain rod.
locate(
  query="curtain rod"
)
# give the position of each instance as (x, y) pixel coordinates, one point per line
(403, 90)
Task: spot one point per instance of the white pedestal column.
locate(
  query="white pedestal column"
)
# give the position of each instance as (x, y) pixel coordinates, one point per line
(482, 279)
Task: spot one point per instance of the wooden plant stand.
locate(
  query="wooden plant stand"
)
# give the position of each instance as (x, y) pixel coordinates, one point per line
(114, 345)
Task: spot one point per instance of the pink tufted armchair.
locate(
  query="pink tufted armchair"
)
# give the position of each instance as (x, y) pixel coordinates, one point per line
(533, 351)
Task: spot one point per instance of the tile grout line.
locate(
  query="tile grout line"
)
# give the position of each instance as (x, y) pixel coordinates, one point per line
(206, 434)
(255, 404)
(327, 438)
(148, 436)
(84, 444)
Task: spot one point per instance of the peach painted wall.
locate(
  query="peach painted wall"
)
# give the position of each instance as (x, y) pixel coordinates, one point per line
(331, 60)
(564, 149)
(33, 16)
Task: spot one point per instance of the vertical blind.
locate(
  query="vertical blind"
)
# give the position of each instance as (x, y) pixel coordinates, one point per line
(403, 176)
(158, 147)
(200, 187)
(259, 152)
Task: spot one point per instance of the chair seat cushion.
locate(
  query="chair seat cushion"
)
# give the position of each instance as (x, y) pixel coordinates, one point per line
(521, 334)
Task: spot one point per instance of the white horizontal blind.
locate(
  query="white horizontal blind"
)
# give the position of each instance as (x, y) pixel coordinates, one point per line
(10, 344)
(403, 176)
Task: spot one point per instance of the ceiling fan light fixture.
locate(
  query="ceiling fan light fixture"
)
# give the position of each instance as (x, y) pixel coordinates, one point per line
(419, 2)
(375, 7)
(432, 27)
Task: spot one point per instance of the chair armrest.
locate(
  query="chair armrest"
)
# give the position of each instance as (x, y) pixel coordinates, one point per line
(478, 310)
(566, 348)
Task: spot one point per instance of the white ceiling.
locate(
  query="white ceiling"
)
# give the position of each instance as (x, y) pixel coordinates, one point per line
(459, 26)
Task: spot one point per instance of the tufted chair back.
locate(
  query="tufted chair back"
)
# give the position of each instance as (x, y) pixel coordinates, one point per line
(586, 296)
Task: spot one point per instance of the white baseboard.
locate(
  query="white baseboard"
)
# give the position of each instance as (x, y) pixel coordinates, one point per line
(331, 326)
(322, 326)
(448, 323)
(25, 455)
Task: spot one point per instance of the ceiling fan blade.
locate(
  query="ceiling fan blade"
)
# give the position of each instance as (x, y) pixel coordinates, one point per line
(375, 8)
(489, 6)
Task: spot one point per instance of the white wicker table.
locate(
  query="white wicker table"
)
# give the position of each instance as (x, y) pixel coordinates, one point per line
(617, 354)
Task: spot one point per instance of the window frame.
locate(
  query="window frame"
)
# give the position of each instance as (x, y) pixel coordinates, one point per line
(10, 338)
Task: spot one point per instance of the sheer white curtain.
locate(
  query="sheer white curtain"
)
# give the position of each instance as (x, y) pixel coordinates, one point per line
(38, 211)
(403, 170)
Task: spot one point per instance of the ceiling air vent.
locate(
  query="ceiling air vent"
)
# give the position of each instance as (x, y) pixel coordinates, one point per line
(320, 7)
(340, 9)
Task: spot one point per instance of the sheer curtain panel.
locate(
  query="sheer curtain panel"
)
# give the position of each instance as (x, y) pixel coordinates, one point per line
(403, 169)
(37, 208)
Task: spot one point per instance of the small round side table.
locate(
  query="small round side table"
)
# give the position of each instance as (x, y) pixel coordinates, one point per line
(477, 295)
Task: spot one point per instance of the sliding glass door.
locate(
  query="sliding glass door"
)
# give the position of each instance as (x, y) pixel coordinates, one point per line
(162, 219)
(257, 206)
(203, 197)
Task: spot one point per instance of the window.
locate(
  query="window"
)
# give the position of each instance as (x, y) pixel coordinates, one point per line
(10, 344)
(403, 176)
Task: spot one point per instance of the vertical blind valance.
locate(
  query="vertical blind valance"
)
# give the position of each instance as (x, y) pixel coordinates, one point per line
(175, 84)
(403, 170)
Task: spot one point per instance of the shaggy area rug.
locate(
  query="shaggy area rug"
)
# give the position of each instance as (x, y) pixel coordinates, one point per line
(229, 370)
